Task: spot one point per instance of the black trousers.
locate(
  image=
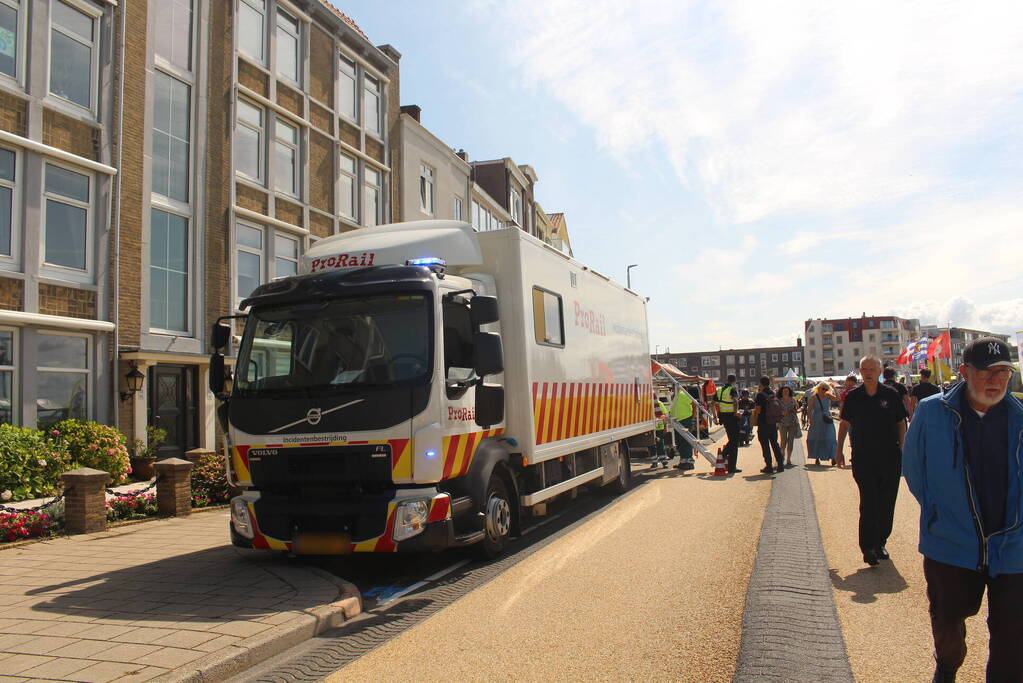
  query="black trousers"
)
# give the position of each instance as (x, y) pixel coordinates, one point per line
(955, 594)
(879, 487)
(767, 435)
(731, 423)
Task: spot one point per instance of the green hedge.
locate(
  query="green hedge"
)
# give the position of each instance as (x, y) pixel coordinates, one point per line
(30, 464)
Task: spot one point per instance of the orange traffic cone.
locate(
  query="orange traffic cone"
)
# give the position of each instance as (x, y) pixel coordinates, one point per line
(720, 466)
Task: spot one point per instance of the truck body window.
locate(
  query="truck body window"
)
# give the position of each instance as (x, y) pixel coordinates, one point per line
(458, 349)
(548, 318)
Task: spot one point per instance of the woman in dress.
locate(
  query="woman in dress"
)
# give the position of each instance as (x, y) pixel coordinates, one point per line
(788, 428)
(821, 443)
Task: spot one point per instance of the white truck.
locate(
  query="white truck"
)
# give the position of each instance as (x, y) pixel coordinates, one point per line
(421, 386)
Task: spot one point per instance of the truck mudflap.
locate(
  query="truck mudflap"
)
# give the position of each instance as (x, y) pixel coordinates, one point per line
(437, 530)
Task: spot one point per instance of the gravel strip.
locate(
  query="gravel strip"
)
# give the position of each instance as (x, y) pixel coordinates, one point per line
(790, 627)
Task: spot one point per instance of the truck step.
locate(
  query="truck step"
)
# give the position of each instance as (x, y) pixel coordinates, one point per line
(462, 505)
(470, 538)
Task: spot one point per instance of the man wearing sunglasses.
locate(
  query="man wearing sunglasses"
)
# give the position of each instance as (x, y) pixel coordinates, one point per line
(962, 461)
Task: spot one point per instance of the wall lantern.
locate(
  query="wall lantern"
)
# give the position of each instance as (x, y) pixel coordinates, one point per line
(134, 380)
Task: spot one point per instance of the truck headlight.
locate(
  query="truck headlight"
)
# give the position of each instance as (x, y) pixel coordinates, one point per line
(410, 518)
(241, 519)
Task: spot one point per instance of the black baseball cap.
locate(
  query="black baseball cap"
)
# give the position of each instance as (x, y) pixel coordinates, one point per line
(987, 352)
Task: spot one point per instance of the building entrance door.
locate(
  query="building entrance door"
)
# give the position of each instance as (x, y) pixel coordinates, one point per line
(173, 406)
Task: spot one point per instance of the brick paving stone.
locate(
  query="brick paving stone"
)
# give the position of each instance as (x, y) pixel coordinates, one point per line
(142, 634)
(59, 667)
(218, 643)
(10, 640)
(60, 628)
(18, 663)
(104, 632)
(140, 675)
(103, 672)
(13, 679)
(86, 649)
(127, 652)
(40, 645)
(240, 628)
(170, 657)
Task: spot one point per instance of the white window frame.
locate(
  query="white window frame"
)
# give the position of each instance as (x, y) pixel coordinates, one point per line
(273, 258)
(373, 125)
(13, 369)
(14, 259)
(20, 43)
(457, 208)
(379, 188)
(262, 146)
(426, 188)
(190, 274)
(299, 45)
(189, 181)
(261, 253)
(64, 272)
(267, 253)
(164, 62)
(515, 205)
(352, 176)
(296, 149)
(262, 11)
(40, 369)
(94, 46)
(348, 67)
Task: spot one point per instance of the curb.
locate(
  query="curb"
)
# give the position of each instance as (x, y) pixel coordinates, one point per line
(238, 658)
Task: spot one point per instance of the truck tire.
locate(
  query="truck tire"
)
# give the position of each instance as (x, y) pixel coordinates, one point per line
(624, 481)
(497, 518)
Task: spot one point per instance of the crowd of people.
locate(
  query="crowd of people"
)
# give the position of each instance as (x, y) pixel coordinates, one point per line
(959, 448)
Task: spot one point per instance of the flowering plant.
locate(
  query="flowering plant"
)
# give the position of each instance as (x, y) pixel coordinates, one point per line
(15, 526)
(90, 444)
(154, 436)
(131, 506)
(209, 482)
(30, 466)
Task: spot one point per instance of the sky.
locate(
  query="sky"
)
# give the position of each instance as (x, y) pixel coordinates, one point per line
(762, 163)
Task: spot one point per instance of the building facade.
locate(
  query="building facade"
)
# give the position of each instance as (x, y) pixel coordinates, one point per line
(834, 346)
(748, 365)
(434, 180)
(961, 336)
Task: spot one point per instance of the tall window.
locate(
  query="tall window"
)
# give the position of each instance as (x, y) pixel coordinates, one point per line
(251, 29)
(249, 257)
(8, 364)
(516, 206)
(171, 116)
(286, 164)
(371, 197)
(174, 32)
(289, 40)
(457, 210)
(8, 163)
(248, 140)
(168, 271)
(285, 256)
(72, 53)
(426, 188)
(348, 86)
(10, 37)
(371, 103)
(349, 181)
(67, 218)
(63, 378)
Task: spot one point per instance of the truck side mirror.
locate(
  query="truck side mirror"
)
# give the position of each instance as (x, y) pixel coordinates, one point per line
(483, 310)
(489, 405)
(220, 335)
(488, 358)
(217, 373)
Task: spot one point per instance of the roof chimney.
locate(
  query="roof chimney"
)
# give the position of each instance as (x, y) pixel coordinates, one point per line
(412, 110)
(462, 155)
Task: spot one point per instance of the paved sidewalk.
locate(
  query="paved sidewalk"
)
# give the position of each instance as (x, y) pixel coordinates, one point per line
(168, 599)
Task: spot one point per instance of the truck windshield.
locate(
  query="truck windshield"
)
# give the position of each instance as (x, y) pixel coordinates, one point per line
(369, 341)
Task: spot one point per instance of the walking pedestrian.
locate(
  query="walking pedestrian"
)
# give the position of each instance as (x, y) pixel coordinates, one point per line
(724, 407)
(875, 417)
(963, 465)
(820, 436)
(921, 391)
(682, 412)
(788, 428)
(889, 380)
(850, 384)
(766, 416)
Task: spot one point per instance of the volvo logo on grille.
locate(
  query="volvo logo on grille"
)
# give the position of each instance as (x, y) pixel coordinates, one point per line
(313, 416)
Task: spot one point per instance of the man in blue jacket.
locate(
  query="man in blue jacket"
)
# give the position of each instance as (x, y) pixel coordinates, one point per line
(962, 462)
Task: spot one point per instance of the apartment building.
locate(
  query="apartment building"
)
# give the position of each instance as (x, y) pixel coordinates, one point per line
(504, 193)
(434, 180)
(834, 346)
(556, 234)
(748, 365)
(58, 176)
(961, 336)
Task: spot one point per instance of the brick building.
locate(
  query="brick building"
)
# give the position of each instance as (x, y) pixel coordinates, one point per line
(961, 336)
(58, 175)
(748, 365)
(834, 346)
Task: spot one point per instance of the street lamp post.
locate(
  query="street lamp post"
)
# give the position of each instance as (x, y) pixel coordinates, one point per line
(628, 275)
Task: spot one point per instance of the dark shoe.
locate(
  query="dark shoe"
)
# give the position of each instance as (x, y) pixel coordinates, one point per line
(883, 553)
(817, 463)
(870, 557)
(767, 470)
(942, 676)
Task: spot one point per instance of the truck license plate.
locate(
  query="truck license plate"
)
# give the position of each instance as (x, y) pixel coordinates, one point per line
(321, 543)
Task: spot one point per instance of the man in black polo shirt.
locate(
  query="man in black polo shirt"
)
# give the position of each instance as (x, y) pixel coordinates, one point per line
(922, 391)
(890, 381)
(876, 417)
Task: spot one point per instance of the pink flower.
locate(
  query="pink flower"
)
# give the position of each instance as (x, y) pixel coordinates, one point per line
(110, 451)
(93, 447)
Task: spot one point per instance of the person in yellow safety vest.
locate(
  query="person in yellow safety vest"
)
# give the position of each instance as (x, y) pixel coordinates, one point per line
(682, 412)
(660, 454)
(725, 403)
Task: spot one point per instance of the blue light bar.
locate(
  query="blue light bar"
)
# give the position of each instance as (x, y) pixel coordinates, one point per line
(429, 261)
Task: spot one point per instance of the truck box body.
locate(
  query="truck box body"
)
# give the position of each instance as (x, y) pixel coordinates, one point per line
(357, 405)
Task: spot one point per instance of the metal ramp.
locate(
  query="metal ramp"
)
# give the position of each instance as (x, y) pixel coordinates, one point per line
(697, 444)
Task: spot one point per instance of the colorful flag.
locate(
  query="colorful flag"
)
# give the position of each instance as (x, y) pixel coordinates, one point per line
(906, 355)
(941, 348)
(920, 353)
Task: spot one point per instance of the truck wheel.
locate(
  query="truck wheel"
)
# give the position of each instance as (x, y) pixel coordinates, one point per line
(497, 518)
(624, 480)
